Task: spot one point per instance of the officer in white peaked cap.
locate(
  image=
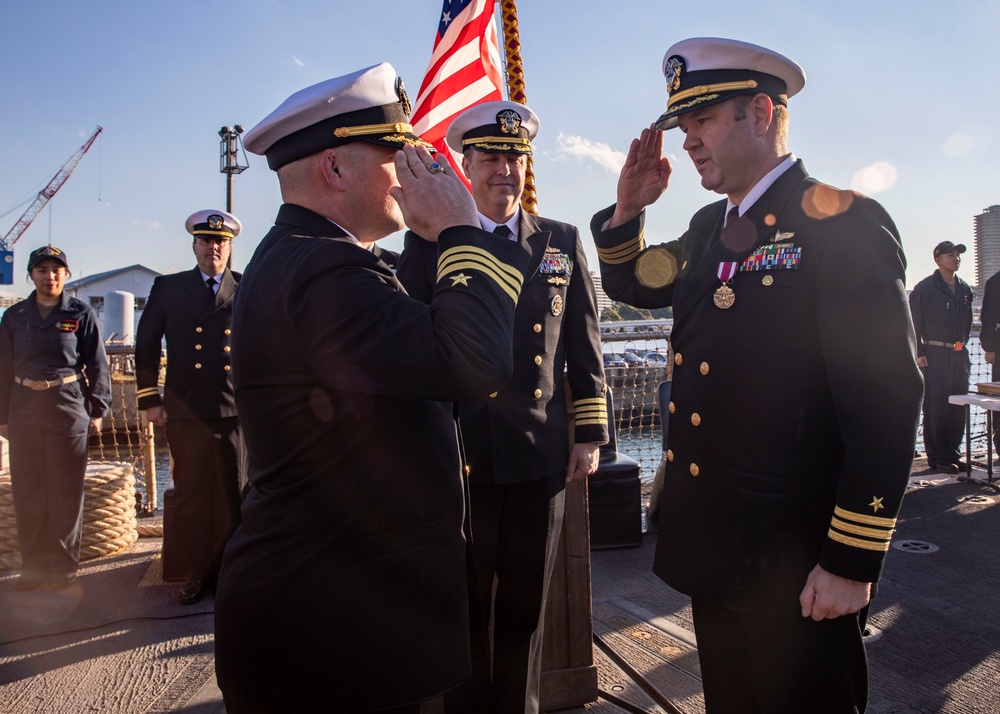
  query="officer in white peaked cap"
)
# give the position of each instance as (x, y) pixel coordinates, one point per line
(345, 385)
(519, 447)
(213, 224)
(496, 127)
(785, 465)
(368, 105)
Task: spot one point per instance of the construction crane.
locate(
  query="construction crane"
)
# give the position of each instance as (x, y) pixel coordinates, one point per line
(44, 196)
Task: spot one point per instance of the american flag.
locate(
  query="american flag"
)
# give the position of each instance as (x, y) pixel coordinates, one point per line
(464, 70)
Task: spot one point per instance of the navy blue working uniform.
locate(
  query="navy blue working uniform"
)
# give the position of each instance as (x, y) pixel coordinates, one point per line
(53, 381)
(942, 320)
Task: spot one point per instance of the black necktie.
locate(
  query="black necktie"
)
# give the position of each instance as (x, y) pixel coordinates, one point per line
(503, 231)
(211, 285)
(733, 214)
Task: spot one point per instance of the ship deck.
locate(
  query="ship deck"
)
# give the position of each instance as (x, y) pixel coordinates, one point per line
(117, 641)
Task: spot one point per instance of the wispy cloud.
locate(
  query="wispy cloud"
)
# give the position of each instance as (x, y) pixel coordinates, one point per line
(580, 148)
(297, 61)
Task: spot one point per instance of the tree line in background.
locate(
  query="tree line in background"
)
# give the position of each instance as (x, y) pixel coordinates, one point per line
(620, 312)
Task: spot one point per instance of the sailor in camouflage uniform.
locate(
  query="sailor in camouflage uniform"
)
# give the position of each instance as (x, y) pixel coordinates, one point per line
(517, 441)
(795, 392)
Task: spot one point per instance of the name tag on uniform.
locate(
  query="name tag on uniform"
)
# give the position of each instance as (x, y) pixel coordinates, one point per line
(67, 325)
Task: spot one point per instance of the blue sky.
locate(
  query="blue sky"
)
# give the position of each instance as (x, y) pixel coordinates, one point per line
(901, 103)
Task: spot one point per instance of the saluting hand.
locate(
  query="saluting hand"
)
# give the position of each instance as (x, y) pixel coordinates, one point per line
(643, 178)
(429, 194)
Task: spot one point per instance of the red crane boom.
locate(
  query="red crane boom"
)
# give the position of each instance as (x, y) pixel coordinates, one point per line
(46, 194)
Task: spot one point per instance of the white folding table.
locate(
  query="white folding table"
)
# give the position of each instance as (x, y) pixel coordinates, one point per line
(990, 404)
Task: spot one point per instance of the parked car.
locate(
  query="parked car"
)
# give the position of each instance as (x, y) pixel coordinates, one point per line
(613, 359)
(633, 360)
(656, 359)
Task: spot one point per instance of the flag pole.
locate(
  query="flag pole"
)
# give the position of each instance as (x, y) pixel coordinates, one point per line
(515, 88)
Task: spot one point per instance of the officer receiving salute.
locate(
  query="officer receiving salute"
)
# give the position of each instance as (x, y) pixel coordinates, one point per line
(941, 305)
(347, 578)
(795, 390)
(193, 310)
(516, 440)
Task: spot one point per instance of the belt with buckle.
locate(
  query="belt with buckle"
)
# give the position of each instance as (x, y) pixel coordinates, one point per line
(956, 346)
(41, 384)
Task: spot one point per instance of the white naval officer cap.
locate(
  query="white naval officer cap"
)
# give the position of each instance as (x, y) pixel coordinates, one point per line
(703, 71)
(495, 127)
(213, 224)
(368, 105)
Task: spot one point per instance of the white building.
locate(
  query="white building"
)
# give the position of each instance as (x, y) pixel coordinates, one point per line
(987, 237)
(603, 301)
(135, 279)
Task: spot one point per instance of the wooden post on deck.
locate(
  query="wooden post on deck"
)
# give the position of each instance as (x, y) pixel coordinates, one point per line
(569, 676)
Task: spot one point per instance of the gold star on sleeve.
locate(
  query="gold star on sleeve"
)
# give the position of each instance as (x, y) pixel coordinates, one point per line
(876, 504)
(461, 278)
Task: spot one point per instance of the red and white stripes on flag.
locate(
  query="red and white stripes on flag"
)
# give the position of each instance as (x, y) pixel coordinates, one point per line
(464, 70)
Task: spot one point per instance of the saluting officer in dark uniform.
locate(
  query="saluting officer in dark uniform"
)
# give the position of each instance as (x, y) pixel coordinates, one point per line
(193, 310)
(795, 389)
(517, 440)
(941, 305)
(345, 588)
(54, 392)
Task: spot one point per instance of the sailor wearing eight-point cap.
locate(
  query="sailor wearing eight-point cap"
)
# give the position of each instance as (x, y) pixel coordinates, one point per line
(193, 311)
(795, 392)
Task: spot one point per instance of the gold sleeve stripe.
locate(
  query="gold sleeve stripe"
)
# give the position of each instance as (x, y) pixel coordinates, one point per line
(864, 518)
(514, 277)
(624, 252)
(148, 392)
(507, 277)
(591, 422)
(592, 402)
(512, 292)
(857, 542)
(874, 533)
(592, 417)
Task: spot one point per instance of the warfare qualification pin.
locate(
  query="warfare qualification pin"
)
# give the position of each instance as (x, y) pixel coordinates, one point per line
(724, 296)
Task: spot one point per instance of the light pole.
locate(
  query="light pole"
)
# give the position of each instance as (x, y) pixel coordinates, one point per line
(232, 160)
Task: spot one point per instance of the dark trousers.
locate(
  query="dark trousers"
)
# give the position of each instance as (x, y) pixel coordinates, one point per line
(947, 373)
(47, 469)
(207, 457)
(758, 664)
(996, 416)
(234, 706)
(515, 531)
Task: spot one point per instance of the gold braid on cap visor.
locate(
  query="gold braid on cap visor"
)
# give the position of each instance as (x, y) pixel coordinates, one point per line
(706, 88)
(501, 139)
(401, 130)
(220, 234)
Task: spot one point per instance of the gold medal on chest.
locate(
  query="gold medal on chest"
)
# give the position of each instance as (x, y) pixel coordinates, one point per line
(724, 297)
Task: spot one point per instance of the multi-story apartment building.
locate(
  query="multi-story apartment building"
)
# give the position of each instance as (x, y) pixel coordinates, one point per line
(987, 237)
